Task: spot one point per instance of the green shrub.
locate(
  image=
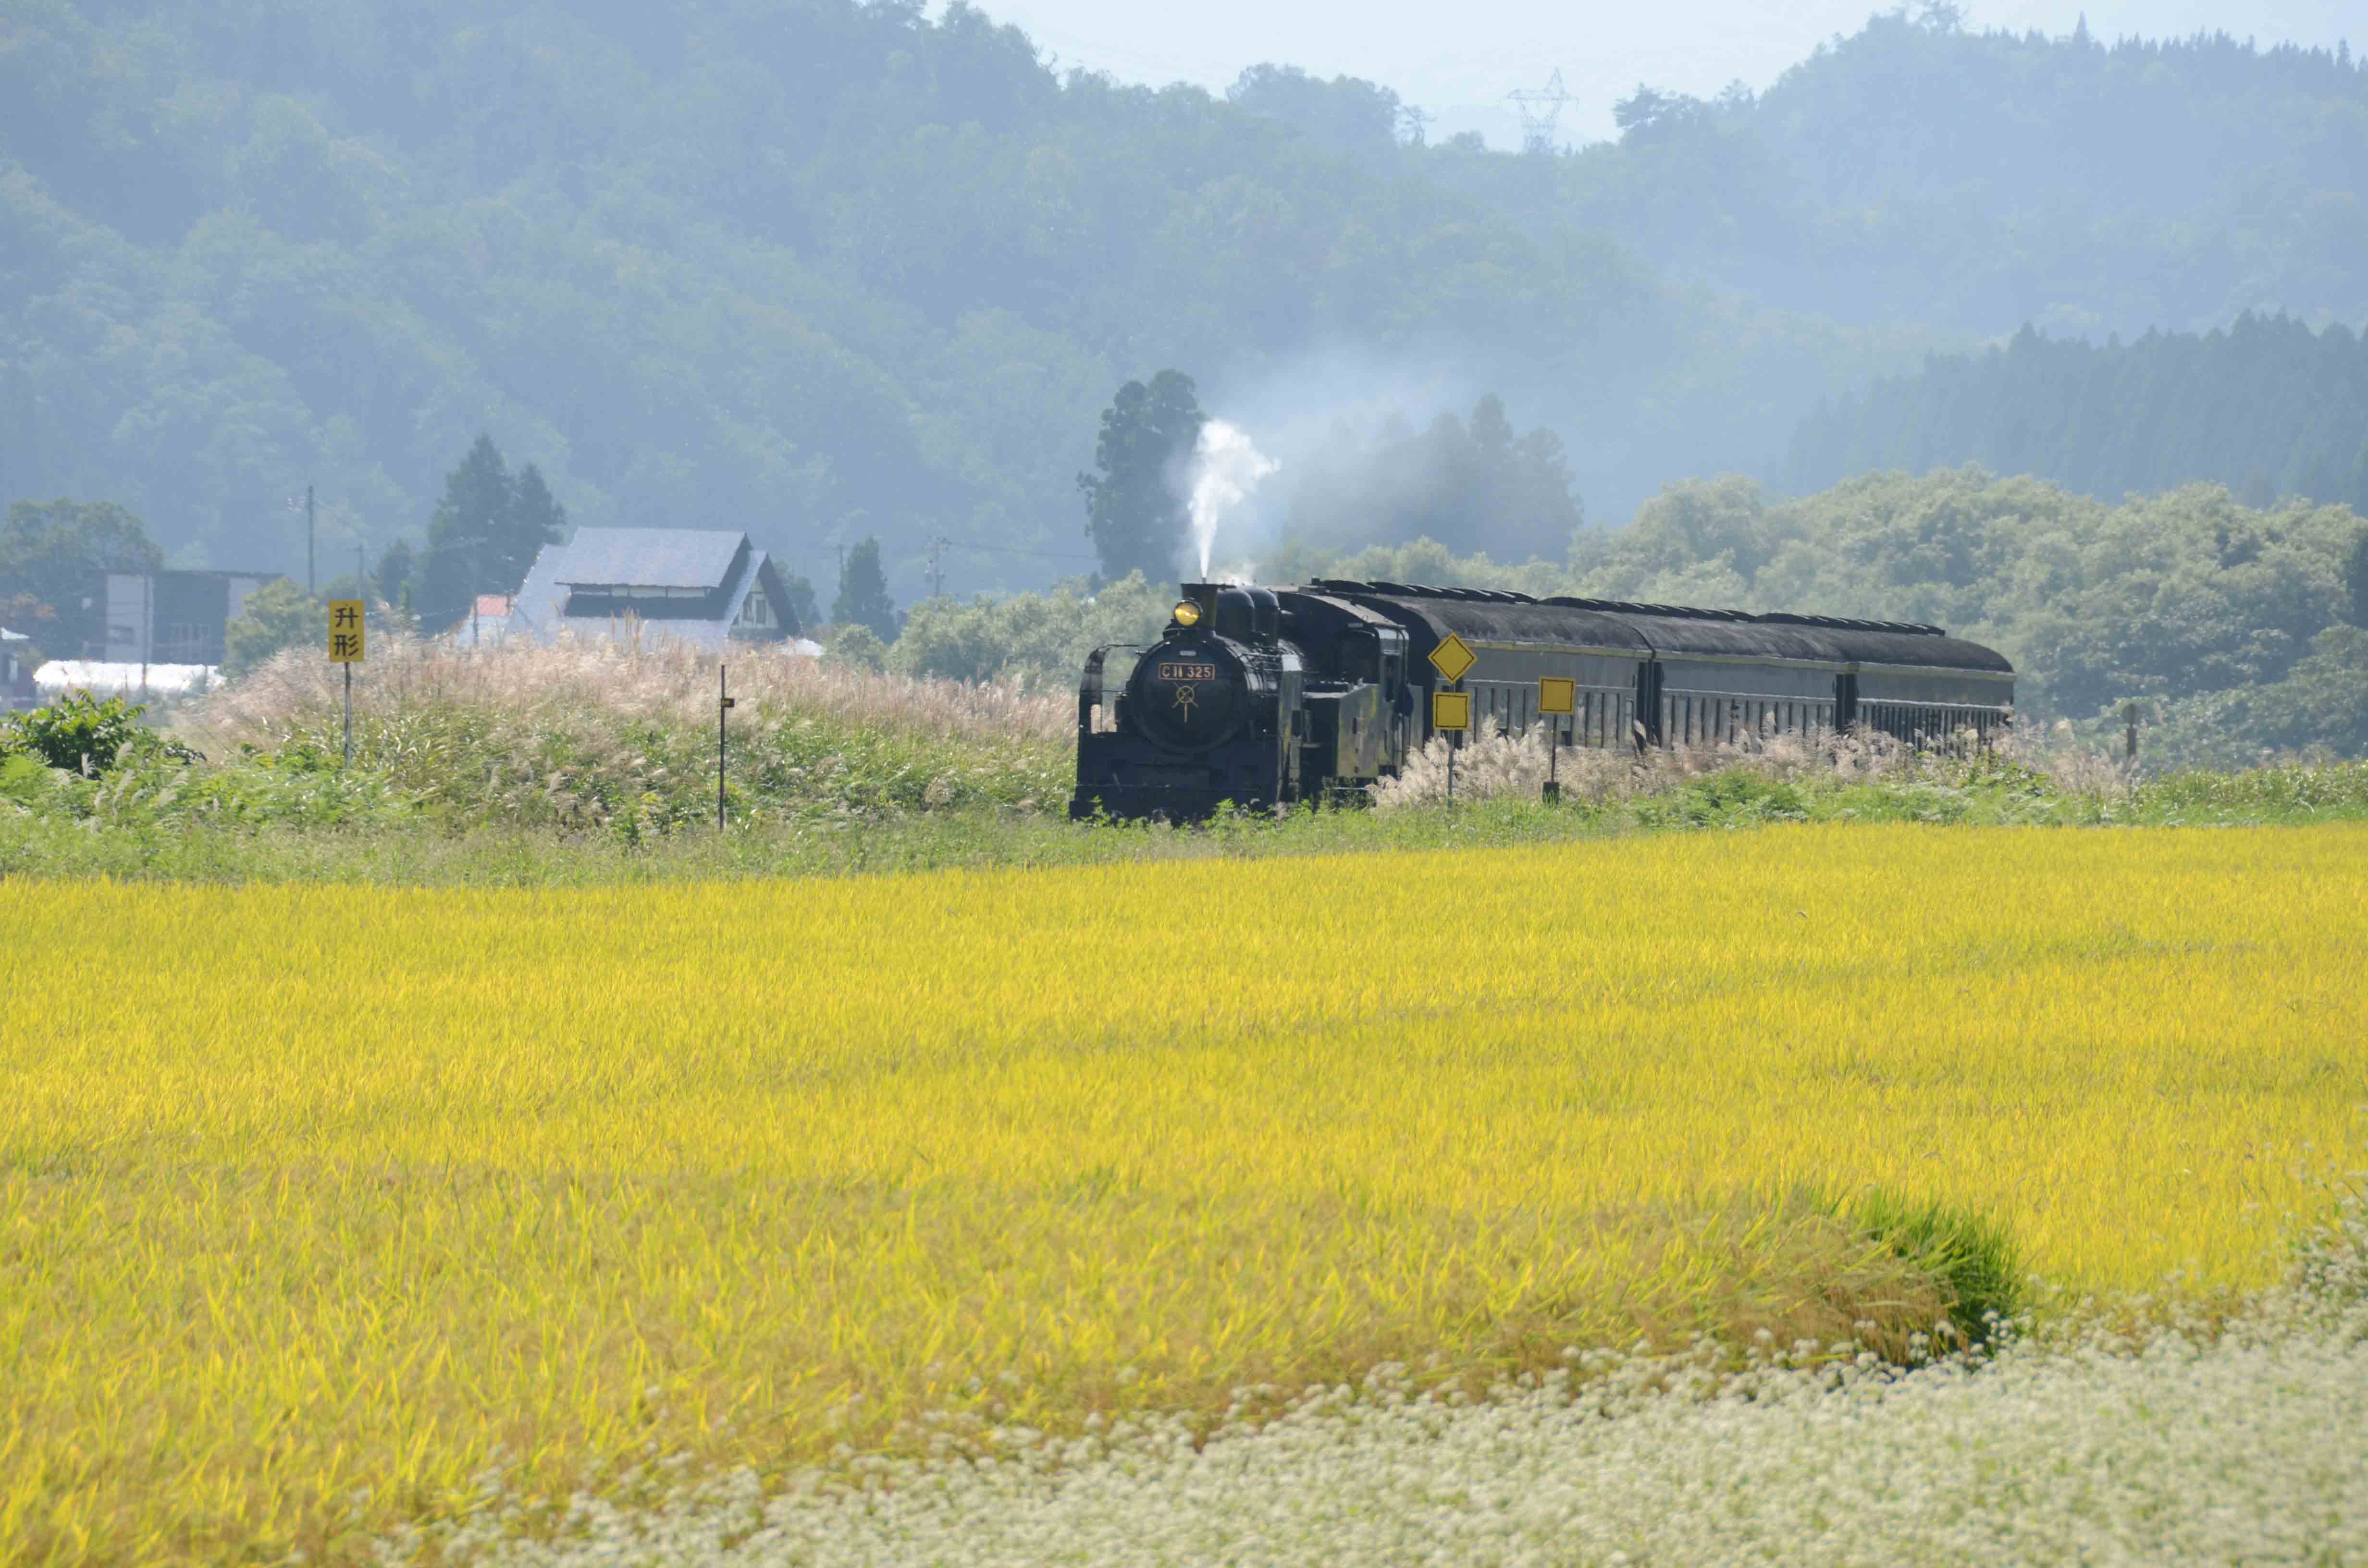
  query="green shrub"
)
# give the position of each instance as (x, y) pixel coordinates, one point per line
(1973, 1254)
(77, 731)
(857, 647)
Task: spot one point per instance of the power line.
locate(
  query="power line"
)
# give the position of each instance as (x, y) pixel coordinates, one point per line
(1015, 550)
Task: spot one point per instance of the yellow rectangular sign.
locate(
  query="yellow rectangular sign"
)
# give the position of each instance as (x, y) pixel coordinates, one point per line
(1450, 710)
(347, 631)
(1556, 695)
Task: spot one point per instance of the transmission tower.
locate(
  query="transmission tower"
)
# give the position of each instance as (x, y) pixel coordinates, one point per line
(1538, 109)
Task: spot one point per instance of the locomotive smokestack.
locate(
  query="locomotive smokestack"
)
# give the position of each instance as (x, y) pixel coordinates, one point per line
(1205, 595)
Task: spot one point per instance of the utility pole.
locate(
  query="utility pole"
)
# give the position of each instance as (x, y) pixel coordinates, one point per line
(724, 701)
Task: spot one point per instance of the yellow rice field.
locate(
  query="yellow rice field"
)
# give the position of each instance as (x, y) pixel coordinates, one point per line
(317, 1202)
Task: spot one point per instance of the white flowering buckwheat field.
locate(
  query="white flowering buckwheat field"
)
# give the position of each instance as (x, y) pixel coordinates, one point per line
(2192, 1441)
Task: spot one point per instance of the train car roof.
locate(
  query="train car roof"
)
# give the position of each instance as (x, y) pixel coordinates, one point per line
(1497, 614)
(1348, 607)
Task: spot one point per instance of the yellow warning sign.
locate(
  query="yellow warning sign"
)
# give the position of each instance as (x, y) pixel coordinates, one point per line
(1450, 710)
(346, 631)
(1453, 658)
(1556, 695)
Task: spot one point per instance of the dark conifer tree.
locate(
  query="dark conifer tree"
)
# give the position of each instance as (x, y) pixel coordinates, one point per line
(1134, 507)
(487, 531)
(863, 593)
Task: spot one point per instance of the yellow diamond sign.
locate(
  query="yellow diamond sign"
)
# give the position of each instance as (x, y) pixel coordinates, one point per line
(1453, 658)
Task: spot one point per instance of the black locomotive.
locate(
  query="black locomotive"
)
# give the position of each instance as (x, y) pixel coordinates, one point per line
(1268, 697)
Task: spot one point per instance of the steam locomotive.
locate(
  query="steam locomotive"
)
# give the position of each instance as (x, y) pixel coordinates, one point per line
(1268, 697)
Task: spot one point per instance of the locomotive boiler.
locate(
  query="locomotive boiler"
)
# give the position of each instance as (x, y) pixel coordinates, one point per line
(1268, 697)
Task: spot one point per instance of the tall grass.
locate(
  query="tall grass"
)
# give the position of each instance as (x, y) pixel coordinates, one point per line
(666, 681)
(586, 762)
(591, 734)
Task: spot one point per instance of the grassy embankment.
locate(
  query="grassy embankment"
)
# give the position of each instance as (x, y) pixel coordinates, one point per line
(526, 766)
(363, 1192)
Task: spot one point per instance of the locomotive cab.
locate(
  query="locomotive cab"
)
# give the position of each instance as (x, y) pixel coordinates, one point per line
(1359, 705)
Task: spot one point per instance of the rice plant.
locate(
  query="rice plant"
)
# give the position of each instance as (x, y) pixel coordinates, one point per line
(358, 1194)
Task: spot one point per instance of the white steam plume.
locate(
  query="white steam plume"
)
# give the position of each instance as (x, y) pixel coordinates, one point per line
(1226, 466)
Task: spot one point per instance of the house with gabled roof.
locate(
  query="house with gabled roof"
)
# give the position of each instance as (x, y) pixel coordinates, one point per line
(702, 585)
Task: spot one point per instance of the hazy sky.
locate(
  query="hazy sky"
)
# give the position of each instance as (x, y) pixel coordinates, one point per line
(1459, 60)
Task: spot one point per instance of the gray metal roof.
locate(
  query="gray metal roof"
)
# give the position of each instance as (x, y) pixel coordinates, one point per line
(542, 602)
(648, 558)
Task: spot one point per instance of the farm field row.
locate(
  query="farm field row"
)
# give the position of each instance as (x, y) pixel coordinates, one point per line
(320, 1201)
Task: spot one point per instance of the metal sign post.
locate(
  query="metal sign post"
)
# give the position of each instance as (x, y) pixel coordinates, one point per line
(348, 646)
(1558, 698)
(1451, 711)
(724, 702)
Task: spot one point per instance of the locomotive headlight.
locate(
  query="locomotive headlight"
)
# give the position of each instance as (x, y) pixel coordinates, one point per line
(1187, 613)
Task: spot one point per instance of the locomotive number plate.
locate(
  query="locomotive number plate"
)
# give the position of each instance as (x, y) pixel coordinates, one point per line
(1188, 672)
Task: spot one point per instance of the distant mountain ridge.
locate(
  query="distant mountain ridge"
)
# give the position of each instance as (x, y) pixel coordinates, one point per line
(821, 270)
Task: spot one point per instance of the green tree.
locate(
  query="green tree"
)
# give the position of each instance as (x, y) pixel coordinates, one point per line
(1040, 639)
(1469, 487)
(858, 646)
(535, 518)
(1134, 510)
(50, 553)
(1699, 540)
(277, 615)
(863, 593)
(2323, 700)
(397, 571)
(803, 605)
(485, 533)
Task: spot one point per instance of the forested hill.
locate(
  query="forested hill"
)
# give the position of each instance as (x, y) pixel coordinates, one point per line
(1919, 172)
(2267, 408)
(824, 271)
